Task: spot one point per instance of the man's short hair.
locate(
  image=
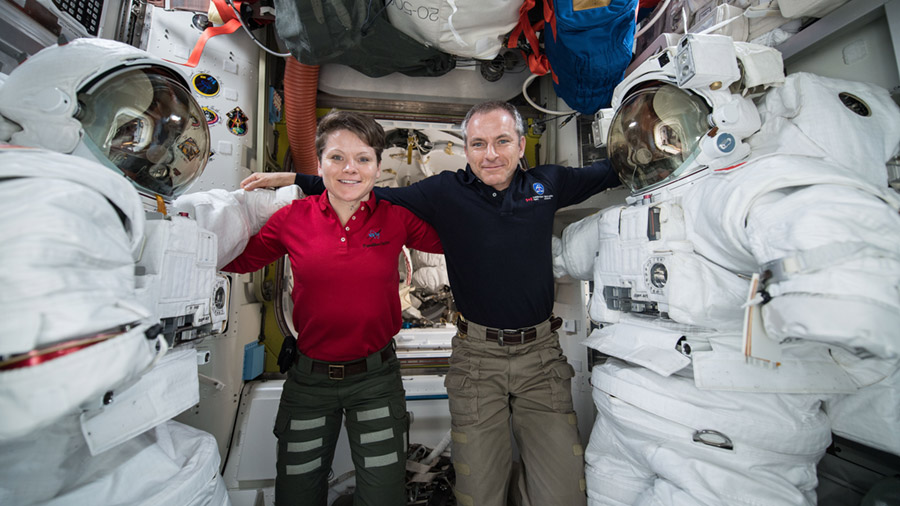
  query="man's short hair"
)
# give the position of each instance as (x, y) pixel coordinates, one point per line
(494, 105)
(363, 126)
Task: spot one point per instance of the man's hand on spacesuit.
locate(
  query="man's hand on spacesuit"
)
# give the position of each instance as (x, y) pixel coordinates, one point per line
(267, 180)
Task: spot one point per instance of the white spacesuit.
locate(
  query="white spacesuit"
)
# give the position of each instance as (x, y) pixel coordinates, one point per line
(748, 292)
(100, 284)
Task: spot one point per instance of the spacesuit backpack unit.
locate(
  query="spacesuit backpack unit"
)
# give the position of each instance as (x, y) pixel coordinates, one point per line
(747, 291)
(101, 284)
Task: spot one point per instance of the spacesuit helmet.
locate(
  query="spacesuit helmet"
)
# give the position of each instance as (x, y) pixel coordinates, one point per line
(112, 103)
(655, 133)
(688, 108)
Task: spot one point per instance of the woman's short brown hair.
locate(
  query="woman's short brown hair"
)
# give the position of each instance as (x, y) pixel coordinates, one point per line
(363, 126)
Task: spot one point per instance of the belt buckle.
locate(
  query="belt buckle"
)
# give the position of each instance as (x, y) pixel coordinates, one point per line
(335, 372)
(501, 332)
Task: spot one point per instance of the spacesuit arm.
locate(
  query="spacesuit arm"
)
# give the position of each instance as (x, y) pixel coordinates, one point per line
(559, 265)
(234, 216)
(833, 269)
(263, 248)
(579, 244)
(429, 271)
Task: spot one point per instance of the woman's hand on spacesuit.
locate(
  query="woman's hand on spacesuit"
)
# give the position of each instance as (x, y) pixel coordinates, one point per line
(267, 180)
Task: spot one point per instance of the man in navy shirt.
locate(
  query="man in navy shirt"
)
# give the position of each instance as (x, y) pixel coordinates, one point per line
(507, 369)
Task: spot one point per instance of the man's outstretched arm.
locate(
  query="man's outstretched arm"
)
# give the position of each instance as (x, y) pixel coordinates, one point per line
(415, 197)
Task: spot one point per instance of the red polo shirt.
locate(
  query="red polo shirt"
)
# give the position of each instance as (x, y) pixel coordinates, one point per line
(346, 279)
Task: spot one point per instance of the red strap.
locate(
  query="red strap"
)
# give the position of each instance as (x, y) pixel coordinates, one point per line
(513, 40)
(549, 17)
(232, 23)
(537, 61)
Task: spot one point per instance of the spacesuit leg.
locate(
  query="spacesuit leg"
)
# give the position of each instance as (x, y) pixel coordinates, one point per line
(702, 446)
(54, 467)
(31, 471)
(613, 477)
(864, 415)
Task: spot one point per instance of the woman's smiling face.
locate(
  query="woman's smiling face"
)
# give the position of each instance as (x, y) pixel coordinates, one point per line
(349, 167)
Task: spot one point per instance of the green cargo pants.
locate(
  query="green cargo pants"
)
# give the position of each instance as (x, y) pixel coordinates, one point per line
(525, 387)
(309, 422)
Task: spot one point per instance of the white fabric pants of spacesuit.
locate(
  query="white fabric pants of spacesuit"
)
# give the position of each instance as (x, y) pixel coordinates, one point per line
(169, 464)
(642, 449)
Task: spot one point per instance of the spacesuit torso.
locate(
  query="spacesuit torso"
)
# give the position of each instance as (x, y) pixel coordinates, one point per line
(681, 262)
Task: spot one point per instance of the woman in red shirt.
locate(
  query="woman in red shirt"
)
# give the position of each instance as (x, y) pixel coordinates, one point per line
(343, 247)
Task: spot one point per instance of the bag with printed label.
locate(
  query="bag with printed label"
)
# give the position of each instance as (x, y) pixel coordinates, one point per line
(467, 28)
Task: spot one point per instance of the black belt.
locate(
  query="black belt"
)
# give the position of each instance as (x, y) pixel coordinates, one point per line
(511, 337)
(341, 370)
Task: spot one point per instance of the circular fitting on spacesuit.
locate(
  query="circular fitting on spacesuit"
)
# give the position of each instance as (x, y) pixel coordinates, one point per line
(654, 135)
(144, 122)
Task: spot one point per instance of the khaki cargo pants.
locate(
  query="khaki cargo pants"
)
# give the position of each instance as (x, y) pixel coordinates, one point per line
(309, 422)
(526, 387)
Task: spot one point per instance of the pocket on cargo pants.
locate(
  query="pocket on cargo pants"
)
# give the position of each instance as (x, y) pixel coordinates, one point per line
(559, 374)
(463, 398)
(462, 390)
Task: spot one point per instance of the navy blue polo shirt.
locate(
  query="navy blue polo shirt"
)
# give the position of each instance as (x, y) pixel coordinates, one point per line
(497, 243)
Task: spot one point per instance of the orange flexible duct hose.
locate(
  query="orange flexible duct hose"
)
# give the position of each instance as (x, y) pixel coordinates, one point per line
(300, 85)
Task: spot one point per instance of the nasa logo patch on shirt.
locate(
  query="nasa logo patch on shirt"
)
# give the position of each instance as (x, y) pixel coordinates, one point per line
(375, 239)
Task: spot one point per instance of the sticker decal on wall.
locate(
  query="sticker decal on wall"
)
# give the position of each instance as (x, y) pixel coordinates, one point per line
(212, 117)
(237, 121)
(206, 85)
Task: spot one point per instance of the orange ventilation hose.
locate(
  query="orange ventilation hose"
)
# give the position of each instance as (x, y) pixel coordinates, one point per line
(300, 85)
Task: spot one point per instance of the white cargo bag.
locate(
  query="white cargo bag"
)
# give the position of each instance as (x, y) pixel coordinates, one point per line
(467, 28)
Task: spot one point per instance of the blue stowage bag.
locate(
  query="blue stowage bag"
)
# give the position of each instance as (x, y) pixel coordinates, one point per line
(589, 49)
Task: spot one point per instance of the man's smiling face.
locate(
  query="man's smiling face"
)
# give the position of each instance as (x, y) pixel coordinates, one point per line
(493, 147)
